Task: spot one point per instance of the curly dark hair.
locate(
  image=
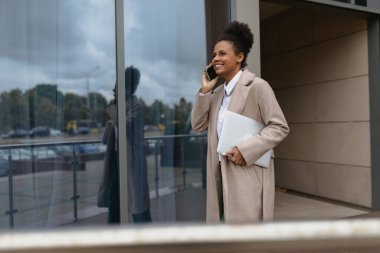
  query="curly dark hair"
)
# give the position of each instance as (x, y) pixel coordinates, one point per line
(241, 36)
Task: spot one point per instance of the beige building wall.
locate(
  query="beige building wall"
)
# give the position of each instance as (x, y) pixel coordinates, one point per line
(248, 11)
(317, 63)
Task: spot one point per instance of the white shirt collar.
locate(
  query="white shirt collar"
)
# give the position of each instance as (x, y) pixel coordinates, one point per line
(228, 89)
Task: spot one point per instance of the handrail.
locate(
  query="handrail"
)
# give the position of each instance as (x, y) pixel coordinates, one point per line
(51, 143)
(46, 144)
(175, 136)
(354, 235)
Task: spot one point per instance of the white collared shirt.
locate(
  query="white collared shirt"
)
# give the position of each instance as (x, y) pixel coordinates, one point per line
(228, 89)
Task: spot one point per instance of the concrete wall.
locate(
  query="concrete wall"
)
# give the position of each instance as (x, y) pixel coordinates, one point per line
(317, 63)
(248, 11)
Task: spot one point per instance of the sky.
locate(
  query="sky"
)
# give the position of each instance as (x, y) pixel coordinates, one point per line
(72, 42)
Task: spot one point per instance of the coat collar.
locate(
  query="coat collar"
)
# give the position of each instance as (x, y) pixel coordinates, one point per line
(240, 94)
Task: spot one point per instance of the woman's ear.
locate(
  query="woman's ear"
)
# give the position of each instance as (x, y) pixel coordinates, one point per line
(240, 57)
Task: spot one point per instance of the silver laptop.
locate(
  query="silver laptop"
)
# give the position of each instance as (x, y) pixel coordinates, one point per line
(237, 128)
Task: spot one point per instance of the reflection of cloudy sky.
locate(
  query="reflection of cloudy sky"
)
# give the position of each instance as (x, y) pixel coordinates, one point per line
(166, 41)
(59, 42)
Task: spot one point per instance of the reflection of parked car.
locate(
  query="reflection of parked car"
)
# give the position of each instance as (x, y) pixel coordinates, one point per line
(87, 148)
(64, 150)
(43, 153)
(40, 131)
(83, 127)
(17, 133)
(102, 148)
(55, 132)
(17, 154)
(150, 128)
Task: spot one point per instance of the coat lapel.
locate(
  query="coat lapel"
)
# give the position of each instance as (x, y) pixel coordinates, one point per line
(240, 94)
(219, 93)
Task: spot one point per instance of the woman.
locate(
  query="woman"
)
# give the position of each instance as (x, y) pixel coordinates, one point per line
(237, 189)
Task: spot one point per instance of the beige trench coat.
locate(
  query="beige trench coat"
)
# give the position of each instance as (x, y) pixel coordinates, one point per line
(247, 192)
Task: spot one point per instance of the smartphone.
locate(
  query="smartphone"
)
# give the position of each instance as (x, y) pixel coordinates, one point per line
(210, 73)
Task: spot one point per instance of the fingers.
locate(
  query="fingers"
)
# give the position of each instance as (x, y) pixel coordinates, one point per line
(207, 85)
(236, 157)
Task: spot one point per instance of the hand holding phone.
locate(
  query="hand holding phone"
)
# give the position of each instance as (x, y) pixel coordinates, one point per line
(210, 79)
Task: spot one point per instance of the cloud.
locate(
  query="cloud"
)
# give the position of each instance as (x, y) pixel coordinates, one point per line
(168, 46)
(60, 42)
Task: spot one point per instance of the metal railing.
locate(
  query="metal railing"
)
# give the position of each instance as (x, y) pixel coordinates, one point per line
(155, 145)
(74, 163)
(157, 141)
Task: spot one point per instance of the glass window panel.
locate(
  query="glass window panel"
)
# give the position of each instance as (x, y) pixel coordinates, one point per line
(58, 71)
(165, 45)
(361, 2)
(366, 3)
(369, 3)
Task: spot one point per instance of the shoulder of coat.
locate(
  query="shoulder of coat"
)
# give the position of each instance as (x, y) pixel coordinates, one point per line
(260, 83)
(249, 78)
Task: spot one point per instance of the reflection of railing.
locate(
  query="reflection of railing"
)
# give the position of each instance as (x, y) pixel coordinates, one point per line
(74, 167)
(154, 146)
(156, 143)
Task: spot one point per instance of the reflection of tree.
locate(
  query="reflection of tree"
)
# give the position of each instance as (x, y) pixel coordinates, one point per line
(44, 105)
(75, 107)
(45, 99)
(13, 109)
(157, 113)
(176, 120)
(17, 107)
(97, 105)
(182, 116)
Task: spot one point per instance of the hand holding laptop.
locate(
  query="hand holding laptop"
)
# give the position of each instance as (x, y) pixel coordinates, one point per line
(237, 128)
(235, 156)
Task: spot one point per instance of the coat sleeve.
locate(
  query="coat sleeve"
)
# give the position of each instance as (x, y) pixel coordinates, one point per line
(200, 113)
(107, 132)
(276, 126)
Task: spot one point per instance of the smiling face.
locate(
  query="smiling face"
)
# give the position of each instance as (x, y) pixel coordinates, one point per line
(225, 60)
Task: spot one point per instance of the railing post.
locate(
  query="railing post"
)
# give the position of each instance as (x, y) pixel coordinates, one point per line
(75, 197)
(203, 163)
(11, 211)
(157, 177)
(184, 172)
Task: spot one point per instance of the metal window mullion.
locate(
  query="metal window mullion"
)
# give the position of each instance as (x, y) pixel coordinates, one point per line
(374, 96)
(248, 11)
(122, 140)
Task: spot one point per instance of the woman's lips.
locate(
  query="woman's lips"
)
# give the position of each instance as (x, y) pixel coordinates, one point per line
(217, 66)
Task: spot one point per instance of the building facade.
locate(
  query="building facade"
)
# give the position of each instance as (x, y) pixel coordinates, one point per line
(61, 61)
(318, 57)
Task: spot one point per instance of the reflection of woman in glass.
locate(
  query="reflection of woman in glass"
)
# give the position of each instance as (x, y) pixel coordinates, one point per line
(138, 192)
(237, 189)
